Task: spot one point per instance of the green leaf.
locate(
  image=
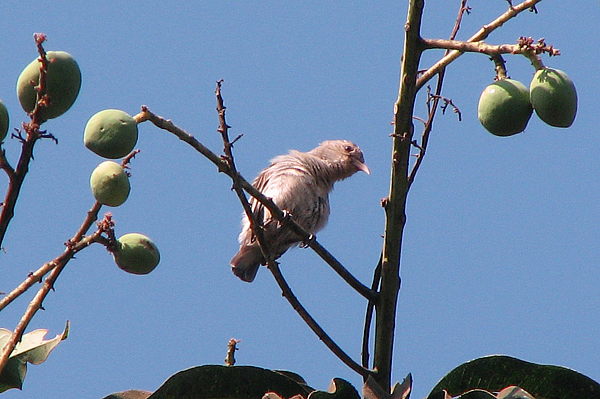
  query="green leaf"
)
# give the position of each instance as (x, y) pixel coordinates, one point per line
(231, 382)
(32, 349)
(493, 373)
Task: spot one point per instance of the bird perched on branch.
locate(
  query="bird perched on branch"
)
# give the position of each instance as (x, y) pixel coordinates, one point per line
(299, 183)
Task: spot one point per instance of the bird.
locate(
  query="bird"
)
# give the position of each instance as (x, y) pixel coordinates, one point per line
(299, 183)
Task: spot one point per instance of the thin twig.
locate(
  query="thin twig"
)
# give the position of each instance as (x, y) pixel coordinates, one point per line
(491, 49)
(482, 34)
(369, 317)
(447, 103)
(37, 275)
(289, 295)
(231, 348)
(56, 266)
(255, 224)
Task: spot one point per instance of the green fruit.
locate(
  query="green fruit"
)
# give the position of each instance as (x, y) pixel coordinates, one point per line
(504, 107)
(63, 81)
(136, 254)
(110, 184)
(4, 121)
(111, 133)
(553, 97)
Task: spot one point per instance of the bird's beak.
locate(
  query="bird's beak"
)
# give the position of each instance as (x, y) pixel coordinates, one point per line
(362, 166)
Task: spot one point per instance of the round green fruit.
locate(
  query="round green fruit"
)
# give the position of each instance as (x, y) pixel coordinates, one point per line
(110, 184)
(111, 133)
(136, 254)
(554, 97)
(4, 121)
(63, 81)
(504, 108)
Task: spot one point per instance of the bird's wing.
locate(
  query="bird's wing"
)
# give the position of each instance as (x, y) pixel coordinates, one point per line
(279, 182)
(260, 183)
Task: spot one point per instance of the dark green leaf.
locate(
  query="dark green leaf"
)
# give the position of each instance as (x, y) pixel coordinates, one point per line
(228, 382)
(339, 389)
(493, 373)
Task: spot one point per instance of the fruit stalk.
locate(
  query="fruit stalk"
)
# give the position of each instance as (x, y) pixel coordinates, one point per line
(482, 34)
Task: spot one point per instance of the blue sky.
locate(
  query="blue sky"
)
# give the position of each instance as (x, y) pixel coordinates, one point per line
(501, 245)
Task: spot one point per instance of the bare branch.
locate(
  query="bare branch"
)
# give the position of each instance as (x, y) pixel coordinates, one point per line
(308, 319)
(433, 105)
(255, 224)
(369, 317)
(55, 267)
(524, 45)
(37, 276)
(482, 34)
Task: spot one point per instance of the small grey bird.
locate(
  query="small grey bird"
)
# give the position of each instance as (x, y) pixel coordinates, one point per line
(299, 183)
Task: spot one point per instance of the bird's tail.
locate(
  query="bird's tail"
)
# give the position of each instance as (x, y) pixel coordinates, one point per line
(246, 262)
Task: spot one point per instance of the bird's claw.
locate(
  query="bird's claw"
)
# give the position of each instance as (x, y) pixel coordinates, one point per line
(286, 218)
(306, 243)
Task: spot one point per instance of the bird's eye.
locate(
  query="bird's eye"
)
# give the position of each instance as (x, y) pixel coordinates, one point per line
(348, 148)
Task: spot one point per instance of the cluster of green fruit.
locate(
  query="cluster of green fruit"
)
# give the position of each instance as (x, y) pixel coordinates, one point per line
(113, 134)
(506, 105)
(110, 133)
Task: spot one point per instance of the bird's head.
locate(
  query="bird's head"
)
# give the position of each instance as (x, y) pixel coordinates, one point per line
(343, 155)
